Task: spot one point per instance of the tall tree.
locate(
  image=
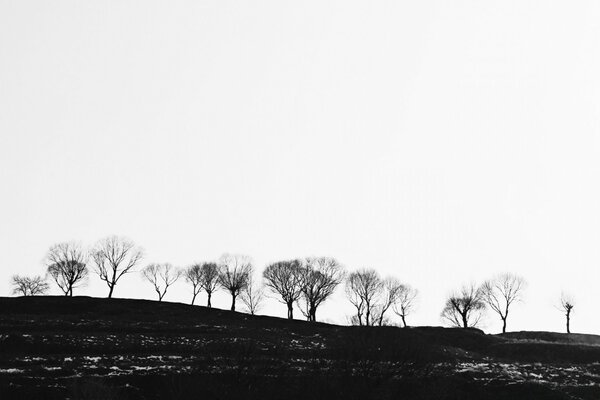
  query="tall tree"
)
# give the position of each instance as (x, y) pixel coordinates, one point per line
(210, 280)
(29, 286)
(252, 296)
(389, 296)
(66, 263)
(320, 277)
(405, 303)
(193, 275)
(114, 257)
(501, 292)
(161, 276)
(285, 279)
(363, 287)
(566, 305)
(234, 273)
(465, 308)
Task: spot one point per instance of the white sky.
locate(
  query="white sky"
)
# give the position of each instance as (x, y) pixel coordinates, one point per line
(436, 141)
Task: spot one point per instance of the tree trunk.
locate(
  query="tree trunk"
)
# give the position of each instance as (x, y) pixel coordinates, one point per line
(208, 304)
(465, 320)
(112, 283)
(232, 302)
(503, 325)
(568, 322)
(403, 320)
(290, 306)
(193, 298)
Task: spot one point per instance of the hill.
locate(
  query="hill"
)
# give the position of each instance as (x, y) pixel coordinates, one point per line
(89, 348)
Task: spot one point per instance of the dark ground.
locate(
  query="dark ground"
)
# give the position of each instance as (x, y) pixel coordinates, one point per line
(89, 348)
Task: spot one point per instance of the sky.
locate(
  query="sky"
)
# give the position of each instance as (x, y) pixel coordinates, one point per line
(439, 142)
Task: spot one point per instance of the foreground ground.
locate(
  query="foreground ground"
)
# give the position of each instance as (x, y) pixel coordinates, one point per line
(88, 348)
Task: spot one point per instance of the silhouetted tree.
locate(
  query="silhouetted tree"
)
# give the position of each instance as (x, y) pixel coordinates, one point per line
(405, 302)
(66, 263)
(161, 276)
(234, 273)
(567, 304)
(465, 308)
(29, 286)
(252, 296)
(388, 296)
(362, 289)
(502, 291)
(320, 277)
(193, 275)
(285, 279)
(114, 257)
(210, 280)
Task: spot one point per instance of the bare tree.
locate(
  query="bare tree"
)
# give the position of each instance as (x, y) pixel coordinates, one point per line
(320, 277)
(66, 263)
(566, 305)
(363, 288)
(465, 308)
(114, 257)
(501, 292)
(234, 274)
(161, 276)
(285, 279)
(29, 286)
(388, 298)
(405, 302)
(253, 296)
(193, 274)
(210, 280)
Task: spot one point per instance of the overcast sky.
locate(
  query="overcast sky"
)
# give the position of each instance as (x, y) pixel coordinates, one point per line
(440, 142)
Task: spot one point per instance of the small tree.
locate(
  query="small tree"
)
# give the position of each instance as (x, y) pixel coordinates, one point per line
(252, 296)
(29, 286)
(210, 280)
(501, 292)
(320, 277)
(465, 308)
(389, 296)
(566, 305)
(234, 274)
(193, 275)
(66, 263)
(362, 289)
(285, 279)
(405, 303)
(114, 257)
(161, 276)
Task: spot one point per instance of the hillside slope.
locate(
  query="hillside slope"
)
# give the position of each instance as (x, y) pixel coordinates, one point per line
(88, 348)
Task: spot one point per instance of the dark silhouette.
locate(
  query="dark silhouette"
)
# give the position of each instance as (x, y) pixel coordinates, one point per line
(210, 280)
(29, 286)
(362, 288)
(566, 305)
(499, 293)
(285, 279)
(161, 276)
(234, 274)
(114, 257)
(66, 264)
(465, 308)
(405, 303)
(388, 298)
(320, 277)
(193, 275)
(252, 296)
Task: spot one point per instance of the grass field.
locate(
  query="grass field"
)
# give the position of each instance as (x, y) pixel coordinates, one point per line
(89, 348)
